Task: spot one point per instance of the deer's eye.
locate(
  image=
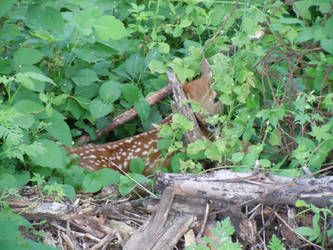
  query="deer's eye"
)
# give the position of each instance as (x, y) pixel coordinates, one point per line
(216, 99)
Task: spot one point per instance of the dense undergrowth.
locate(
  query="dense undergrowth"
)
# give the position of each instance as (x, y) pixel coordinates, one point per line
(68, 67)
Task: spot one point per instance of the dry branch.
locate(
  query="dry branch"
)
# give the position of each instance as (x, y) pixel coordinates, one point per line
(248, 188)
(179, 106)
(130, 114)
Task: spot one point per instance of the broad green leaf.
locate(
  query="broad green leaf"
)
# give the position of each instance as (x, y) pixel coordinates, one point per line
(26, 56)
(107, 176)
(52, 156)
(177, 31)
(91, 184)
(301, 203)
(327, 45)
(85, 21)
(164, 48)
(322, 132)
(7, 181)
(69, 191)
(213, 153)
(22, 178)
(39, 77)
(307, 231)
(84, 77)
(197, 146)
(135, 64)
(126, 185)
(131, 93)
(274, 137)
(24, 120)
(181, 71)
(110, 91)
(143, 109)
(28, 82)
(165, 131)
(28, 106)
(164, 143)
(60, 99)
(137, 165)
(60, 130)
(265, 163)
(51, 19)
(94, 53)
(157, 66)
(185, 23)
(108, 27)
(328, 27)
(175, 161)
(99, 109)
(237, 157)
(5, 6)
(180, 121)
(250, 159)
(5, 67)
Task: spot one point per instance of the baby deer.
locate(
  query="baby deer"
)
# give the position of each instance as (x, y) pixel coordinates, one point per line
(117, 155)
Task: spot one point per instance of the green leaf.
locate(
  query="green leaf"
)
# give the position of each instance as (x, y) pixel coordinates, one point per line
(274, 137)
(165, 131)
(301, 203)
(327, 45)
(137, 165)
(5, 6)
(307, 231)
(237, 157)
(178, 31)
(180, 121)
(131, 93)
(60, 130)
(322, 132)
(328, 27)
(157, 66)
(275, 244)
(5, 66)
(84, 77)
(164, 48)
(110, 91)
(28, 106)
(250, 159)
(107, 176)
(164, 143)
(304, 36)
(197, 146)
(26, 56)
(175, 161)
(213, 153)
(53, 155)
(99, 109)
(91, 184)
(7, 181)
(39, 77)
(69, 191)
(24, 120)
(143, 109)
(51, 19)
(60, 99)
(108, 27)
(265, 163)
(126, 185)
(22, 178)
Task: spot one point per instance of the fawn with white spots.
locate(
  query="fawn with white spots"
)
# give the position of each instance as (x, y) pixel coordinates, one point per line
(118, 154)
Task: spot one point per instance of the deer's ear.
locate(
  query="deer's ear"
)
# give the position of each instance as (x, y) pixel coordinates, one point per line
(205, 67)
